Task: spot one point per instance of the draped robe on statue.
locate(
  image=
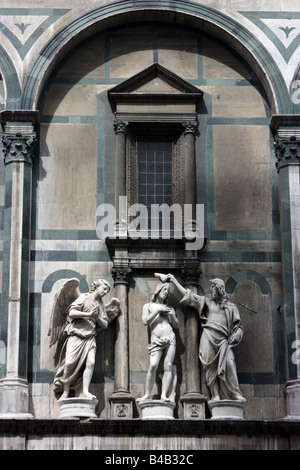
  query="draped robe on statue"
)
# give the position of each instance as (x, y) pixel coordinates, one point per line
(215, 353)
(80, 339)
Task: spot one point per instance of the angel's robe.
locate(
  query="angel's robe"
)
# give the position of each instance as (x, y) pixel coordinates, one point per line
(80, 339)
(215, 352)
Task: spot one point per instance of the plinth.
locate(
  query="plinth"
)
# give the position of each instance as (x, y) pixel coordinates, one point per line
(193, 405)
(77, 408)
(227, 409)
(156, 409)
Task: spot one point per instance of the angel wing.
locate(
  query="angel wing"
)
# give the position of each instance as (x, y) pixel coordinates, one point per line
(112, 309)
(66, 294)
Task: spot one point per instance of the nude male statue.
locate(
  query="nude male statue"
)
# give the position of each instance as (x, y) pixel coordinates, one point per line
(161, 320)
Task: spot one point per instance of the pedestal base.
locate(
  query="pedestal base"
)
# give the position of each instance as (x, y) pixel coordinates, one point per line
(121, 405)
(193, 405)
(77, 408)
(292, 397)
(14, 401)
(227, 409)
(156, 409)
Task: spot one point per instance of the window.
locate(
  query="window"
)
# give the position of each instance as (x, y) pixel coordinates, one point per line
(154, 168)
(155, 148)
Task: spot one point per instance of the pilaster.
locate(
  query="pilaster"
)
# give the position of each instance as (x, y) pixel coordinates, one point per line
(193, 400)
(120, 128)
(286, 129)
(190, 128)
(18, 139)
(121, 400)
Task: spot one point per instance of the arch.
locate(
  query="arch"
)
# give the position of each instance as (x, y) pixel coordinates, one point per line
(10, 79)
(184, 12)
(63, 274)
(248, 275)
(295, 91)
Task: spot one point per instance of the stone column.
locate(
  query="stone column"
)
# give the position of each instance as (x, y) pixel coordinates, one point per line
(18, 147)
(120, 128)
(287, 150)
(190, 167)
(121, 400)
(193, 400)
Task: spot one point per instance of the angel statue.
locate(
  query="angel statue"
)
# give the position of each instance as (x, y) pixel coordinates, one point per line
(75, 322)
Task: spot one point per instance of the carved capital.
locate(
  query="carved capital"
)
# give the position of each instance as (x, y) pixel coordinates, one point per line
(287, 151)
(18, 147)
(190, 127)
(190, 274)
(120, 126)
(121, 274)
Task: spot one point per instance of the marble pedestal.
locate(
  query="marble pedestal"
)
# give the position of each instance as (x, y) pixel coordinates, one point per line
(193, 405)
(77, 408)
(292, 396)
(227, 409)
(156, 409)
(14, 400)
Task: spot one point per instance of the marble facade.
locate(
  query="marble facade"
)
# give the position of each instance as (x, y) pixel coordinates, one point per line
(229, 68)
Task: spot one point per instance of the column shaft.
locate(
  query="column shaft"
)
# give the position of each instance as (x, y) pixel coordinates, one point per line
(190, 164)
(120, 166)
(287, 150)
(193, 400)
(121, 400)
(18, 151)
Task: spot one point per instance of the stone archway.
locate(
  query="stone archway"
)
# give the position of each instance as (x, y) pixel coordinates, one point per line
(186, 13)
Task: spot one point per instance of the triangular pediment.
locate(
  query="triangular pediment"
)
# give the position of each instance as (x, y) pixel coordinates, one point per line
(155, 81)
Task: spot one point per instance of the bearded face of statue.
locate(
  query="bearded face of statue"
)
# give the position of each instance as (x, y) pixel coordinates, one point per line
(217, 290)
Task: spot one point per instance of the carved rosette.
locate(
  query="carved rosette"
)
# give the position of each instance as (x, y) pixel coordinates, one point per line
(121, 274)
(287, 151)
(18, 147)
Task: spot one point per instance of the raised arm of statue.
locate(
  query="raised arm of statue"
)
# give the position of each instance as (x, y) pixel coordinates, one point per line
(171, 278)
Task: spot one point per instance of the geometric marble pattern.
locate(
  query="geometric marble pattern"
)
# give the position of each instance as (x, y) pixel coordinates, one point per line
(282, 28)
(24, 26)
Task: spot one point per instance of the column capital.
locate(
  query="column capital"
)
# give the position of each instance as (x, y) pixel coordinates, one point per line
(190, 127)
(120, 126)
(190, 274)
(121, 274)
(287, 151)
(18, 147)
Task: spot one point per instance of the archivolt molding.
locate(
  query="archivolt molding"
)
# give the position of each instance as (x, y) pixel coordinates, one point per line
(184, 12)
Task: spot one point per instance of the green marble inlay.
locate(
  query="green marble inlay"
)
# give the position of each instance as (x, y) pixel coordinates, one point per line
(192, 9)
(53, 16)
(257, 18)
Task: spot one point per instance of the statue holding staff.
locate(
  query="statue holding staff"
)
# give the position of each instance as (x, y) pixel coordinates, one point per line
(222, 331)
